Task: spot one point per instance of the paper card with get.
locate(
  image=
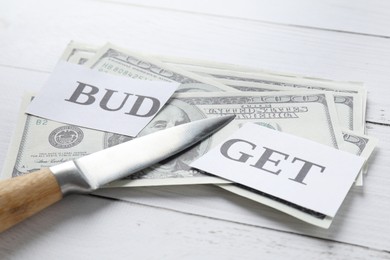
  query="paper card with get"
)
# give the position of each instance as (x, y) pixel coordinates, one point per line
(298, 170)
(80, 96)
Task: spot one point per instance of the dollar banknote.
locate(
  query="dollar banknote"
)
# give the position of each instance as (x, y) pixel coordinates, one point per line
(266, 79)
(44, 143)
(358, 144)
(81, 52)
(117, 61)
(78, 53)
(346, 94)
(361, 145)
(349, 101)
(241, 73)
(348, 105)
(349, 97)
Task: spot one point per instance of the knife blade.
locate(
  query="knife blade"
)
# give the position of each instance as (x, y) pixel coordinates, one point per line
(23, 196)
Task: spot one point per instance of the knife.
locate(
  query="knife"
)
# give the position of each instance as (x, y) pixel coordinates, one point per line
(23, 196)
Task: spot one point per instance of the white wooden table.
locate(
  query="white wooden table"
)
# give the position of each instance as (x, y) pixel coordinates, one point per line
(336, 39)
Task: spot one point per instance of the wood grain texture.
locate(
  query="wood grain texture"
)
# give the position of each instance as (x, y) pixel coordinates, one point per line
(24, 196)
(81, 226)
(341, 40)
(339, 15)
(361, 220)
(318, 53)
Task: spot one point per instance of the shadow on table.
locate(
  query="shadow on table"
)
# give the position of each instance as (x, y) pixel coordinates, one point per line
(212, 201)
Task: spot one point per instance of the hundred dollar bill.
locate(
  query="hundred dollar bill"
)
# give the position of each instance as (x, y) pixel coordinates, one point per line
(350, 98)
(348, 105)
(361, 145)
(80, 58)
(244, 73)
(358, 144)
(279, 80)
(349, 110)
(231, 74)
(114, 60)
(78, 53)
(254, 86)
(223, 72)
(43, 143)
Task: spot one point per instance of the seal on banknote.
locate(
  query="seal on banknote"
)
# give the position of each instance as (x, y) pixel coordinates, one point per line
(66, 137)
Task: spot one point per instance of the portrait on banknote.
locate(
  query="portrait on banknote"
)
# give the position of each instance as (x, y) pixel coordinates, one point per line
(172, 114)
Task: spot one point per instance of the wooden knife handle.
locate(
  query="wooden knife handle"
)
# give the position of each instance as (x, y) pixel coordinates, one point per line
(23, 196)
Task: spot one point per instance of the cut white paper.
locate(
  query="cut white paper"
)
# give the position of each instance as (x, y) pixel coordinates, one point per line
(80, 96)
(298, 170)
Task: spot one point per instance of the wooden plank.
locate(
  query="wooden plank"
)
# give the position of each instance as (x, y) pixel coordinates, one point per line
(33, 35)
(280, 48)
(361, 220)
(371, 18)
(362, 206)
(81, 226)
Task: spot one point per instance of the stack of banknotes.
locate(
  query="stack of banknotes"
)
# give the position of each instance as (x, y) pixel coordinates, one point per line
(325, 111)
